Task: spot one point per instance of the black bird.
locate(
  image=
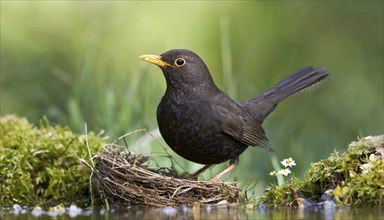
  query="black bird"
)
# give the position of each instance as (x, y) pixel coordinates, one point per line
(203, 124)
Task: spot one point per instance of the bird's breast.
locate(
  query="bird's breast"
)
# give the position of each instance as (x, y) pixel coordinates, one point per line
(190, 127)
(179, 114)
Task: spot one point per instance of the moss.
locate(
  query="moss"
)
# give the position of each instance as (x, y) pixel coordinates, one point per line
(354, 178)
(38, 165)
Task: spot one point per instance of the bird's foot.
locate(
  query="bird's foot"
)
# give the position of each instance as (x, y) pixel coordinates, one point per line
(215, 179)
(233, 163)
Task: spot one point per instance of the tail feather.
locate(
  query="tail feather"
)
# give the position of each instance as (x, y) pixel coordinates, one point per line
(298, 81)
(266, 145)
(262, 105)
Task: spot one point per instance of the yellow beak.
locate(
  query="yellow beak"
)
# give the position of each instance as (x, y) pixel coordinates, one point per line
(154, 59)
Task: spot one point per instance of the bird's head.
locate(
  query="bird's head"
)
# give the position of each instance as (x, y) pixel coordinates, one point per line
(182, 68)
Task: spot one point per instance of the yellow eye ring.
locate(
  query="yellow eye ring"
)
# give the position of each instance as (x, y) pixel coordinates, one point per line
(180, 62)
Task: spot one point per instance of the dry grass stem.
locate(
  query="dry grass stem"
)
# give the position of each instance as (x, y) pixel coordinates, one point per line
(124, 179)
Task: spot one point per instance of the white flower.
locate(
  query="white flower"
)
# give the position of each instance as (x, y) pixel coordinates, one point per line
(373, 157)
(272, 173)
(284, 172)
(288, 162)
(365, 168)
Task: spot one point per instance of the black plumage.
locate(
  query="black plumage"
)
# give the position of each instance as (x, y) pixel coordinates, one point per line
(203, 124)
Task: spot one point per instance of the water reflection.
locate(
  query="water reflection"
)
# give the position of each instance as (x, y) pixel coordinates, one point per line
(213, 212)
(206, 212)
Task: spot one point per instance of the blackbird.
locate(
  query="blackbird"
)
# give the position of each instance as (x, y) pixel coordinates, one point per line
(203, 124)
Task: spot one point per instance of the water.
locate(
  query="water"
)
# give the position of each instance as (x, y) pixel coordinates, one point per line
(200, 212)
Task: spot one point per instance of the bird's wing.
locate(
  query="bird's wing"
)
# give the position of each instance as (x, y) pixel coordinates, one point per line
(238, 123)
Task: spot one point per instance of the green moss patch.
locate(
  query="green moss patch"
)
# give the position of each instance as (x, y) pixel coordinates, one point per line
(40, 165)
(355, 177)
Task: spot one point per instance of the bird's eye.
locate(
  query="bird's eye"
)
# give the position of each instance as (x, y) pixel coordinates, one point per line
(179, 62)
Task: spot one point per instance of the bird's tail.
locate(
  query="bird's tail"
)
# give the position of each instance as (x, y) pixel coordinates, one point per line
(264, 104)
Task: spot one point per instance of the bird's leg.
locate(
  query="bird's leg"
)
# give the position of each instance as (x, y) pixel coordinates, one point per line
(197, 173)
(232, 165)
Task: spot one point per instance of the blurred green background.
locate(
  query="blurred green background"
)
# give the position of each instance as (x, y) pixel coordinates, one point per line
(77, 62)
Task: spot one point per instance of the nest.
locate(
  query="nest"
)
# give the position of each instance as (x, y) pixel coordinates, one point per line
(124, 179)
